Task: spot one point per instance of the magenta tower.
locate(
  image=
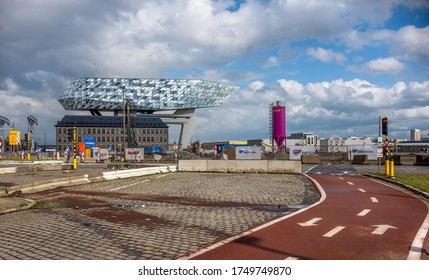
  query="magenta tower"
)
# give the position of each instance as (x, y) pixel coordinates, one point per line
(279, 125)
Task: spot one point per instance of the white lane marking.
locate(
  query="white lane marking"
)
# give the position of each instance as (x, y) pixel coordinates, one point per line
(374, 199)
(351, 183)
(291, 258)
(364, 212)
(309, 170)
(310, 223)
(248, 232)
(334, 231)
(341, 178)
(381, 229)
(126, 186)
(362, 190)
(417, 246)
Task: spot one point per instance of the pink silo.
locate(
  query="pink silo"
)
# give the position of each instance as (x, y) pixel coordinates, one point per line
(279, 125)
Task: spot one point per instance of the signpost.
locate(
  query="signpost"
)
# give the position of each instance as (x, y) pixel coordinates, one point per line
(14, 137)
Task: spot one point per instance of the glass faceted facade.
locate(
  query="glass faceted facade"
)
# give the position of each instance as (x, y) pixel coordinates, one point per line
(107, 94)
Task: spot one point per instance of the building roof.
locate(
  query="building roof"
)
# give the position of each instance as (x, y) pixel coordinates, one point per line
(109, 121)
(108, 94)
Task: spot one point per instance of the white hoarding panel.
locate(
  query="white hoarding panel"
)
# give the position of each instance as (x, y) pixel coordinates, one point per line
(295, 152)
(369, 150)
(248, 152)
(100, 154)
(134, 154)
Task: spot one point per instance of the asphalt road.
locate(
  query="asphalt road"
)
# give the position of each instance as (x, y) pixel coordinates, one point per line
(357, 218)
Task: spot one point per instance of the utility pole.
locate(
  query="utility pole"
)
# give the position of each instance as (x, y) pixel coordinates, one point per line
(123, 123)
(74, 149)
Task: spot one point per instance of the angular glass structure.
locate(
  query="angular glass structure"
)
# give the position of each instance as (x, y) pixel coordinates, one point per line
(107, 94)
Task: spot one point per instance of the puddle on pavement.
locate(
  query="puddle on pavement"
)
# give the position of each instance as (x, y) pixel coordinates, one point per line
(134, 206)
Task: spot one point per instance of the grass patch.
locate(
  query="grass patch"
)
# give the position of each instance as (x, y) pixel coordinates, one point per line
(24, 204)
(418, 181)
(44, 205)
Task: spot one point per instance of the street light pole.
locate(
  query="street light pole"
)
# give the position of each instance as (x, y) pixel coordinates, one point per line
(123, 123)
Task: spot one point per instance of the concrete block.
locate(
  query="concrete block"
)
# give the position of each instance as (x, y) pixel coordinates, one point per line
(406, 159)
(172, 168)
(284, 166)
(222, 166)
(8, 170)
(310, 159)
(23, 169)
(360, 159)
(252, 166)
(422, 160)
(192, 165)
(52, 167)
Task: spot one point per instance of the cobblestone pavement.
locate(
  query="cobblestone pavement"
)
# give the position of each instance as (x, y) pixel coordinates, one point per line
(162, 216)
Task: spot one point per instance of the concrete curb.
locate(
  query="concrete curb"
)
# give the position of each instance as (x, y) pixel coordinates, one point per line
(402, 185)
(31, 204)
(79, 180)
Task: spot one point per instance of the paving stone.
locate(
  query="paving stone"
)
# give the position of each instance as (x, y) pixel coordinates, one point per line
(183, 212)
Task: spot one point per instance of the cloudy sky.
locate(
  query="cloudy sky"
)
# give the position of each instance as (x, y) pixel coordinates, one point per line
(338, 65)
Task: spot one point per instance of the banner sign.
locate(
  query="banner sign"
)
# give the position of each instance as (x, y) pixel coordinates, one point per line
(369, 150)
(296, 152)
(134, 154)
(100, 154)
(248, 152)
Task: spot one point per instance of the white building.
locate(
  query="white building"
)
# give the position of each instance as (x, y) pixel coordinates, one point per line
(334, 145)
(415, 135)
(302, 139)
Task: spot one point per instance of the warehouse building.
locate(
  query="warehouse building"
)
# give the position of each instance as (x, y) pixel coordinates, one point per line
(108, 132)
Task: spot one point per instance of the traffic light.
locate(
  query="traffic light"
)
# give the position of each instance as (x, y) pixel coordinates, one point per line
(26, 137)
(70, 135)
(384, 126)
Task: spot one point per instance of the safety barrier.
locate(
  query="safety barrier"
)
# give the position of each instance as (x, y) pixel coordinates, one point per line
(128, 173)
(233, 166)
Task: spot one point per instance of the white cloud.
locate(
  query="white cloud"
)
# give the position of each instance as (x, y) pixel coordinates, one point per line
(272, 61)
(383, 65)
(326, 55)
(409, 42)
(46, 43)
(325, 108)
(257, 85)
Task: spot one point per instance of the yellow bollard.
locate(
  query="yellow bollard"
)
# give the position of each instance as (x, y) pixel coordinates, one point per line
(392, 167)
(387, 164)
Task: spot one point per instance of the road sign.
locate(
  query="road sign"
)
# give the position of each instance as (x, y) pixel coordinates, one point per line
(89, 141)
(14, 137)
(386, 143)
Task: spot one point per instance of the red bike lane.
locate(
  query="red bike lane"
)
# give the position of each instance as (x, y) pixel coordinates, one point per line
(357, 218)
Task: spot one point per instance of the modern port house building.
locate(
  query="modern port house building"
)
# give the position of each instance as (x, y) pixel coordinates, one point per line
(135, 112)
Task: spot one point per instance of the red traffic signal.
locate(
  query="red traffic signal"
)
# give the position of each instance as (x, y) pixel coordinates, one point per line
(384, 126)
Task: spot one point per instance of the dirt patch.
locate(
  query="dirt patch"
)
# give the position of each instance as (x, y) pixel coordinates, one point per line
(126, 217)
